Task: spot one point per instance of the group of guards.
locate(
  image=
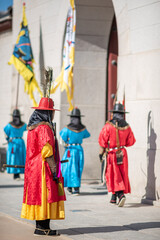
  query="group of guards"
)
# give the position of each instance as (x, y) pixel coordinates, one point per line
(46, 175)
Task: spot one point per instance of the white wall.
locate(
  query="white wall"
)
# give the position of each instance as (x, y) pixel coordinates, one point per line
(138, 70)
(5, 82)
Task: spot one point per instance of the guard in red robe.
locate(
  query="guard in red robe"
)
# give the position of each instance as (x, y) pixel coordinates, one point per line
(115, 136)
(44, 194)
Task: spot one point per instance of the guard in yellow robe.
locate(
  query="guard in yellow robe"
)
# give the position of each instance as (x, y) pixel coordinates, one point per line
(44, 195)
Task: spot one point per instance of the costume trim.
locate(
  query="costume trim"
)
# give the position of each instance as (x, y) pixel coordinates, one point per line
(76, 130)
(17, 126)
(120, 128)
(38, 124)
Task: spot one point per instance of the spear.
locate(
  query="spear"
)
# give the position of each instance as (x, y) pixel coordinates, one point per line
(13, 166)
(23, 166)
(123, 102)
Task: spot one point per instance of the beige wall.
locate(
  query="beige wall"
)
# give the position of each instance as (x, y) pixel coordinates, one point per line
(139, 55)
(5, 82)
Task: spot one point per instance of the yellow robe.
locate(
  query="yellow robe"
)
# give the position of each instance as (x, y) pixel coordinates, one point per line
(45, 210)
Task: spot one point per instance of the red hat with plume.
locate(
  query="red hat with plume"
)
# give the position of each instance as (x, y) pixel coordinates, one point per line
(46, 103)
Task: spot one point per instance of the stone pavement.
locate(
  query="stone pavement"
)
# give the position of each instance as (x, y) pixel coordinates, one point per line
(88, 216)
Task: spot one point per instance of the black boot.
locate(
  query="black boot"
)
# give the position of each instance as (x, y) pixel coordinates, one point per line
(43, 228)
(121, 197)
(16, 176)
(69, 189)
(43, 224)
(113, 198)
(76, 191)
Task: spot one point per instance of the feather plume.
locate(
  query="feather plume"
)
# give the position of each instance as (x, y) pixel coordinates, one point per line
(47, 82)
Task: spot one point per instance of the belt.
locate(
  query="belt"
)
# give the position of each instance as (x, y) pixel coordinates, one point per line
(10, 139)
(14, 138)
(115, 148)
(73, 144)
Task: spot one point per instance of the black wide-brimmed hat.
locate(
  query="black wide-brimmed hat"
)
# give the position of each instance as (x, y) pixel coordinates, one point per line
(76, 113)
(16, 113)
(118, 108)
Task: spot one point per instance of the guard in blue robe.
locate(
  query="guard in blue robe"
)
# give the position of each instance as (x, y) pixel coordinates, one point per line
(73, 135)
(16, 151)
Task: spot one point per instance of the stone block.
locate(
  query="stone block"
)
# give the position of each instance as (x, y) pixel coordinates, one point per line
(119, 6)
(95, 60)
(148, 11)
(126, 77)
(53, 58)
(102, 3)
(147, 75)
(91, 43)
(139, 4)
(86, 82)
(124, 43)
(140, 72)
(52, 41)
(123, 21)
(145, 39)
(94, 13)
(93, 27)
(137, 170)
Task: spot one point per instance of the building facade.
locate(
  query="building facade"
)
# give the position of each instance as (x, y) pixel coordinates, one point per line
(137, 53)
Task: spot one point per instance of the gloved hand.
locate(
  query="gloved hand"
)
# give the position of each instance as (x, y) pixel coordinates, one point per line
(100, 157)
(52, 165)
(55, 178)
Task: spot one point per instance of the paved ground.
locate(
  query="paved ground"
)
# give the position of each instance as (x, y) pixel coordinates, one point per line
(88, 216)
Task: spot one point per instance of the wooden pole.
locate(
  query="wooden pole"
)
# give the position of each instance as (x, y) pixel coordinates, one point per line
(23, 166)
(13, 166)
(17, 95)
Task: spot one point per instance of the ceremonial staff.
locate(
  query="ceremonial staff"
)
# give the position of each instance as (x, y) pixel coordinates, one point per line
(23, 166)
(17, 95)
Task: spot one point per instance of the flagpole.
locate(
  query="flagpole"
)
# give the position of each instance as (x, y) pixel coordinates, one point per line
(17, 95)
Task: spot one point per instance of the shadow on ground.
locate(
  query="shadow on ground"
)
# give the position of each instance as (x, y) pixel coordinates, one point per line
(12, 186)
(133, 226)
(136, 205)
(93, 193)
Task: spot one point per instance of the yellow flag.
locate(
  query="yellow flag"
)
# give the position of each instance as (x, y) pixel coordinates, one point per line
(22, 59)
(65, 79)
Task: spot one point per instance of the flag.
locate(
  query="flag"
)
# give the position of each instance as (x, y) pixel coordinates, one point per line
(65, 79)
(22, 59)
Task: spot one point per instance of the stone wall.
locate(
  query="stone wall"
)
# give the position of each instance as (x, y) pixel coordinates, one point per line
(5, 81)
(138, 71)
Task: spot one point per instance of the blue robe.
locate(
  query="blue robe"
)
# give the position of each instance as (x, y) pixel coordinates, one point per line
(16, 151)
(72, 170)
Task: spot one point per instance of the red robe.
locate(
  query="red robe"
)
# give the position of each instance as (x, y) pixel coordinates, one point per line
(116, 175)
(37, 137)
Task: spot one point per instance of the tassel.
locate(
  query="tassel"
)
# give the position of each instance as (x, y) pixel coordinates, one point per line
(68, 154)
(12, 150)
(60, 189)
